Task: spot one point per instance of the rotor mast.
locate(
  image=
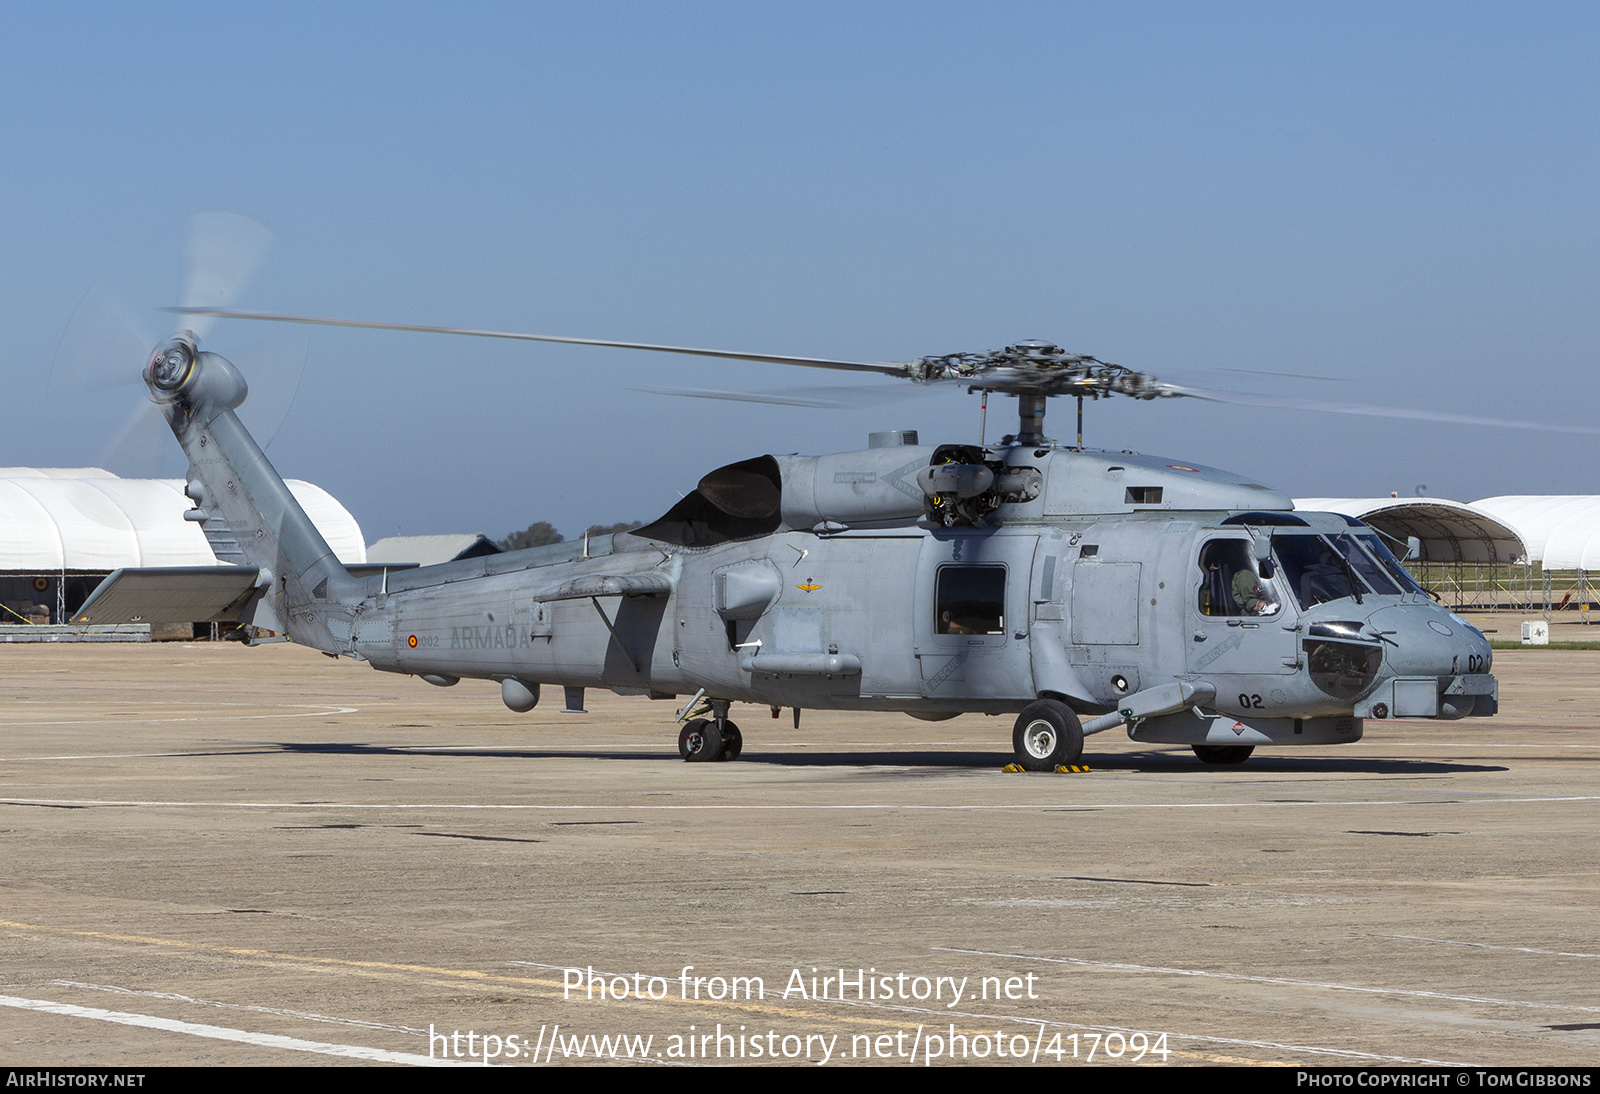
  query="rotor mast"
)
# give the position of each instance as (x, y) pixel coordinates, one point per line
(1030, 419)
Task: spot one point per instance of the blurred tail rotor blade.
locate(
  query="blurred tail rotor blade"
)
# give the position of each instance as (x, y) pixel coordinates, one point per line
(274, 376)
(1245, 398)
(225, 250)
(103, 347)
(142, 448)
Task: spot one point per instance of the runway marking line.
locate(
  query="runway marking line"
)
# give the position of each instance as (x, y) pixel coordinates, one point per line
(1286, 981)
(114, 722)
(308, 1015)
(465, 974)
(774, 1011)
(1489, 946)
(223, 1033)
(271, 955)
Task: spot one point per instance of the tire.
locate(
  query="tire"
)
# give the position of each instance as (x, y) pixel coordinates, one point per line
(732, 742)
(1223, 754)
(699, 741)
(1047, 735)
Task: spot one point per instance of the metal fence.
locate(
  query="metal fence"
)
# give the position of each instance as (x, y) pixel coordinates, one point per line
(1514, 587)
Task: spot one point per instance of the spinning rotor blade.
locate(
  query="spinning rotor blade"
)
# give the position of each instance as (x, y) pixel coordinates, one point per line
(745, 397)
(103, 336)
(1244, 398)
(887, 368)
(822, 398)
(1032, 370)
(96, 365)
(142, 447)
(225, 249)
(275, 375)
(1289, 375)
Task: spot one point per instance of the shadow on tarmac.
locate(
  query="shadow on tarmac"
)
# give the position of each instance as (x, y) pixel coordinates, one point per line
(1172, 764)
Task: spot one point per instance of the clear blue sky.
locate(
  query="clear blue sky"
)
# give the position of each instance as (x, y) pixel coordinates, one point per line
(1401, 196)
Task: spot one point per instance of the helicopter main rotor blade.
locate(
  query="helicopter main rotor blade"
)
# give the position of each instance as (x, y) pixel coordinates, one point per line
(887, 368)
(822, 398)
(1290, 375)
(745, 397)
(1245, 398)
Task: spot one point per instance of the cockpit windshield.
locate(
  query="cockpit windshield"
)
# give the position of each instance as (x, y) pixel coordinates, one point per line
(1391, 564)
(1324, 568)
(1316, 570)
(1370, 571)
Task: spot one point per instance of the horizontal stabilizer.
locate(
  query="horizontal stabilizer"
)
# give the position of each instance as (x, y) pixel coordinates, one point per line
(170, 594)
(581, 588)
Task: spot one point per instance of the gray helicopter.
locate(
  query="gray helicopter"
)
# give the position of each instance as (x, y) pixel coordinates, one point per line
(1080, 591)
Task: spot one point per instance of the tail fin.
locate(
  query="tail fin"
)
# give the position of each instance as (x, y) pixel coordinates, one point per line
(245, 508)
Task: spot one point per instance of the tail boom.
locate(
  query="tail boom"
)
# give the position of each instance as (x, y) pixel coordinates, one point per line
(306, 592)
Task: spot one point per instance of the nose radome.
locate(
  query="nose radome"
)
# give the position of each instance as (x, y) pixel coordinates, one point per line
(1428, 641)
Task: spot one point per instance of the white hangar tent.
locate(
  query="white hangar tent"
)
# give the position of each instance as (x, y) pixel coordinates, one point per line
(63, 529)
(1562, 531)
(1448, 530)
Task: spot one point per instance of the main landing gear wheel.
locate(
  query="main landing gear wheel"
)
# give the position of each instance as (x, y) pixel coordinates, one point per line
(1223, 754)
(699, 741)
(1048, 735)
(732, 742)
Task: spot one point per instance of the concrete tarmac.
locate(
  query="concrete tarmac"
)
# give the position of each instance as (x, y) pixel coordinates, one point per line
(221, 855)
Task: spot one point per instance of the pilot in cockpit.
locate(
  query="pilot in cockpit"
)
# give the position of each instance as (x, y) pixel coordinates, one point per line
(1232, 585)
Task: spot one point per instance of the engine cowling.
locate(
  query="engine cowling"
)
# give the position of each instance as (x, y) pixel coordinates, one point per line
(876, 484)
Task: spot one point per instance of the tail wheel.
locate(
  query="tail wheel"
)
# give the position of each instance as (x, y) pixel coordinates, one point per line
(1223, 754)
(1047, 735)
(732, 742)
(699, 741)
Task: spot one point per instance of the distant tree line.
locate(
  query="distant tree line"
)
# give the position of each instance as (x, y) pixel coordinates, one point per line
(537, 535)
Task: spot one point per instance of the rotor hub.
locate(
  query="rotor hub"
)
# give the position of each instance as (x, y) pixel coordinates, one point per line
(1037, 367)
(172, 364)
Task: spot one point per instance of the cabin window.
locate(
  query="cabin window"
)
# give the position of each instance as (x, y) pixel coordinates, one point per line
(970, 600)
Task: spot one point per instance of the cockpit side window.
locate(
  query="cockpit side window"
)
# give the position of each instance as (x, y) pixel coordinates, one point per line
(1230, 583)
